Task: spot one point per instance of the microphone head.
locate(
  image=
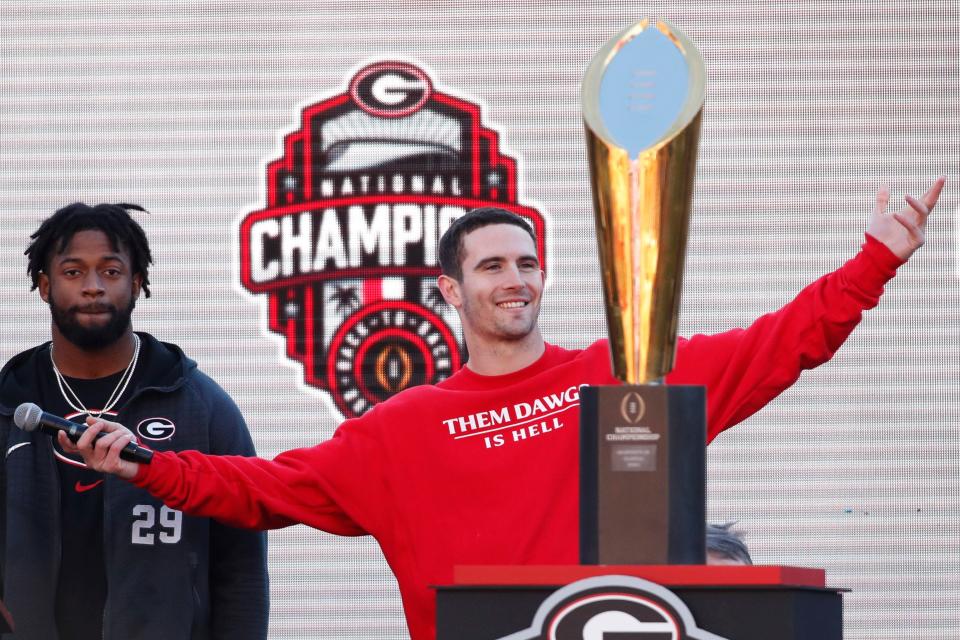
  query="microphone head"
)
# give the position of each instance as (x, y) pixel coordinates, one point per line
(27, 416)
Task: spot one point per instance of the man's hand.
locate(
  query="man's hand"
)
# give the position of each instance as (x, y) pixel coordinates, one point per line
(904, 231)
(103, 454)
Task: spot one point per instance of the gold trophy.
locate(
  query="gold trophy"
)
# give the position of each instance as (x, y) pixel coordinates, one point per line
(642, 443)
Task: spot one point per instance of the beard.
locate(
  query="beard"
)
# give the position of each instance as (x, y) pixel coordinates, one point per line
(96, 337)
(502, 330)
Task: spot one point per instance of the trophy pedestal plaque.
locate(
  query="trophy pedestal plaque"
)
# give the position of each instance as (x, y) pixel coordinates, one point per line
(642, 474)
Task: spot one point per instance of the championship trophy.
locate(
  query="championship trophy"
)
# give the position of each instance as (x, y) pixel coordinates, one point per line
(642, 452)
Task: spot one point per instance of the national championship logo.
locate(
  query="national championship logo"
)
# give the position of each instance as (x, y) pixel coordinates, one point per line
(346, 248)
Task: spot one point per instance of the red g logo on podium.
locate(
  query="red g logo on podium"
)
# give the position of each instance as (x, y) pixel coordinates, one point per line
(613, 608)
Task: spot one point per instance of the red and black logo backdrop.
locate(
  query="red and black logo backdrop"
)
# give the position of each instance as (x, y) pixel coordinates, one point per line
(346, 248)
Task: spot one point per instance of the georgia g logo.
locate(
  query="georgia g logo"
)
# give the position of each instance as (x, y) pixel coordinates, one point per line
(345, 251)
(156, 429)
(608, 607)
(390, 89)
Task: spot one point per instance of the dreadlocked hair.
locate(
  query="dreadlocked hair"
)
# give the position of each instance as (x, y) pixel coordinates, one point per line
(113, 220)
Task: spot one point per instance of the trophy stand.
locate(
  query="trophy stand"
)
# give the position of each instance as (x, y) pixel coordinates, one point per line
(642, 475)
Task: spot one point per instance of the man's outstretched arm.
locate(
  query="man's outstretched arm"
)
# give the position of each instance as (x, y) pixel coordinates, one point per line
(318, 486)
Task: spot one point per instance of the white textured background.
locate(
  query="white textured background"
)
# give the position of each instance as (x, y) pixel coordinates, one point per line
(810, 105)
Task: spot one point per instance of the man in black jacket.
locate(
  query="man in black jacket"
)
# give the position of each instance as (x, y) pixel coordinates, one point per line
(84, 556)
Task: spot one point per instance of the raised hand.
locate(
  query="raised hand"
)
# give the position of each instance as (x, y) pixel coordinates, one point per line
(904, 231)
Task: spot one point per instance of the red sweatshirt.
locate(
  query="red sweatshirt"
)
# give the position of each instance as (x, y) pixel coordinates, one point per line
(483, 470)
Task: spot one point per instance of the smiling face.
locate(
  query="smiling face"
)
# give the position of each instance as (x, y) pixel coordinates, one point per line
(498, 297)
(91, 290)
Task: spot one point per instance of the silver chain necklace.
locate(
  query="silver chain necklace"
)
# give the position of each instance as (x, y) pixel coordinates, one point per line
(73, 400)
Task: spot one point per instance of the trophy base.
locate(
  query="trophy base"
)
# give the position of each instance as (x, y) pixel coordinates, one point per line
(642, 474)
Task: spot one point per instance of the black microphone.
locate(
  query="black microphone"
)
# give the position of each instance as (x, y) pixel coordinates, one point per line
(30, 417)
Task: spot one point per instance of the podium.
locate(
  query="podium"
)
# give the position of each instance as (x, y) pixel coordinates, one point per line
(733, 602)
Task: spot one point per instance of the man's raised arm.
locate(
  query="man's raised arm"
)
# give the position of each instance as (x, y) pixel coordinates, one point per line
(746, 368)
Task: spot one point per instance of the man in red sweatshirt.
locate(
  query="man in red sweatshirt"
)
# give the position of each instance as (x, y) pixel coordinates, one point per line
(481, 468)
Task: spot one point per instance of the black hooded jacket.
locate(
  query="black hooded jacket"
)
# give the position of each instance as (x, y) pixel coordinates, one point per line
(207, 581)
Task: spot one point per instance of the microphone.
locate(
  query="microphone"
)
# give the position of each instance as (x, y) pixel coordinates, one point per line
(30, 417)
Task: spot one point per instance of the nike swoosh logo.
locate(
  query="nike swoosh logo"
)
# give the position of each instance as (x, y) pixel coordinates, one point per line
(80, 487)
(15, 447)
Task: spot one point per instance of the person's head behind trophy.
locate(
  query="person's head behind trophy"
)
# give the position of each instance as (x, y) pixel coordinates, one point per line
(726, 546)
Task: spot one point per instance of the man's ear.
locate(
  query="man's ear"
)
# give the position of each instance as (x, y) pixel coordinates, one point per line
(137, 283)
(43, 286)
(450, 289)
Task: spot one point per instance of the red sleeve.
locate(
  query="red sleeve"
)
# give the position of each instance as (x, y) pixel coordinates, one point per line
(333, 486)
(744, 369)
